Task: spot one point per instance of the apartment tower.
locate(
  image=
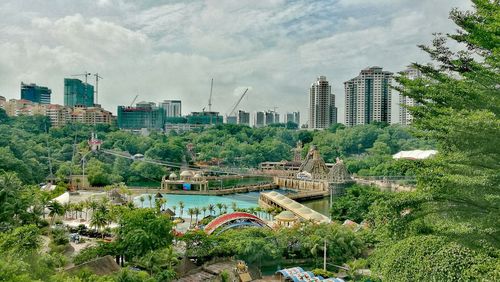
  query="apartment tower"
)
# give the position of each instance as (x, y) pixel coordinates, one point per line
(368, 97)
(322, 110)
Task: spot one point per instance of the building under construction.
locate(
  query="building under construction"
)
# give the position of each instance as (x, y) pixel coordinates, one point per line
(144, 115)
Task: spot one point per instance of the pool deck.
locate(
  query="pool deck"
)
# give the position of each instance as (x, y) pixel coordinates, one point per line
(218, 192)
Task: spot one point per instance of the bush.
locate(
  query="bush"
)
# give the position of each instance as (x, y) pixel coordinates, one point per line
(432, 258)
(324, 273)
(60, 236)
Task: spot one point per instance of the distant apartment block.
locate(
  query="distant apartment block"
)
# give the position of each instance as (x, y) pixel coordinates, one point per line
(173, 108)
(91, 116)
(243, 117)
(205, 118)
(231, 119)
(59, 115)
(322, 110)
(144, 115)
(259, 119)
(368, 97)
(272, 117)
(78, 93)
(293, 117)
(405, 117)
(35, 93)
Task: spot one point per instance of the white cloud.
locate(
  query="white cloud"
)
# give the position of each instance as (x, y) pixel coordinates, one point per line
(171, 49)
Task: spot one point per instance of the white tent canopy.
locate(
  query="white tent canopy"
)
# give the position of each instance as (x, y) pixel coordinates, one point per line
(415, 154)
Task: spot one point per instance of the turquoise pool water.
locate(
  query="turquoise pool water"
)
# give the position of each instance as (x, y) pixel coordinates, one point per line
(243, 200)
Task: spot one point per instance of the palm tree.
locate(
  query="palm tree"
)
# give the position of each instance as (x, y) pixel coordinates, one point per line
(224, 206)
(67, 208)
(234, 206)
(99, 220)
(55, 209)
(150, 199)
(219, 206)
(159, 203)
(181, 207)
(142, 199)
(93, 205)
(211, 208)
(174, 208)
(191, 213)
(204, 209)
(196, 213)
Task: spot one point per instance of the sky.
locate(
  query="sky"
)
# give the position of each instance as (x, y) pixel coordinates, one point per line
(161, 49)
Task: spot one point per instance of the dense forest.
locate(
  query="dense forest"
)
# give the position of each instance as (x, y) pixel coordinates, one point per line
(27, 142)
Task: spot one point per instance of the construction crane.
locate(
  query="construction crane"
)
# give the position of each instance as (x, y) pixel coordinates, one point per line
(97, 77)
(133, 101)
(86, 74)
(210, 99)
(237, 103)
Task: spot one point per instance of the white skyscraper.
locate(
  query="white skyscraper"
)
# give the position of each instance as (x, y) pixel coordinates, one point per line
(405, 117)
(368, 97)
(173, 108)
(322, 110)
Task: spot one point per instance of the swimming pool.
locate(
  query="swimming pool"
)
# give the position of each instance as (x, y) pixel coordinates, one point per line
(243, 200)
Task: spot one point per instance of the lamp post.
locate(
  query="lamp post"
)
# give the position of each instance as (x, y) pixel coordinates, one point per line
(83, 166)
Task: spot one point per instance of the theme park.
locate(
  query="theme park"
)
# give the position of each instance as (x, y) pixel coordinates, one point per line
(239, 141)
(207, 203)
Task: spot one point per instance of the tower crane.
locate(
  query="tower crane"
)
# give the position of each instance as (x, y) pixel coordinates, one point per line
(237, 103)
(210, 99)
(135, 98)
(97, 77)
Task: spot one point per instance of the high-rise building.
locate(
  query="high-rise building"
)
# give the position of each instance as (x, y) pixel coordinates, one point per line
(260, 120)
(35, 93)
(368, 97)
(205, 118)
(243, 117)
(272, 117)
(231, 119)
(144, 115)
(322, 110)
(405, 117)
(293, 117)
(78, 93)
(173, 108)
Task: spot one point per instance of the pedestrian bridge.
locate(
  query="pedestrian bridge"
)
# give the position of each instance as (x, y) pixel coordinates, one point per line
(275, 199)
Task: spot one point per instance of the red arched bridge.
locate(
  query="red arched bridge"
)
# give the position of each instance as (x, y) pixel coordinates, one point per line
(234, 220)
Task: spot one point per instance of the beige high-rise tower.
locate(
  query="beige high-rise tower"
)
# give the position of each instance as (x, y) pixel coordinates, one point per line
(368, 97)
(322, 110)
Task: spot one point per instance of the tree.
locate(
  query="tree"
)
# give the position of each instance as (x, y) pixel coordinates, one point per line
(14, 202)
(196, 213)
(355, 203)
(99, 220)
(459, 108)
(219, 206)
(190, 213)
(98, 173)
(55, 209)
(181, 208)
(211, 208)
(143, 230)
(443, 260)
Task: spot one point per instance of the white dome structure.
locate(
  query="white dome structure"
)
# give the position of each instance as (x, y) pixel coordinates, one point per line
(172, 176)
(186, 175)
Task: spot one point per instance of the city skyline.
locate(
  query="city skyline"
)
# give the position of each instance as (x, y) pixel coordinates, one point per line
(171, 51)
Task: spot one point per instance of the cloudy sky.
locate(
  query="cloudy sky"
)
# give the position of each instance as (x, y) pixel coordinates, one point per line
(164, 49)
